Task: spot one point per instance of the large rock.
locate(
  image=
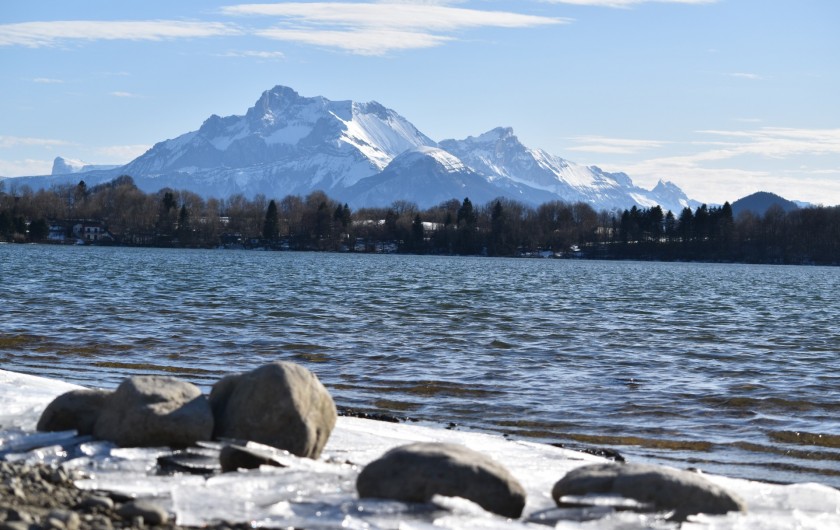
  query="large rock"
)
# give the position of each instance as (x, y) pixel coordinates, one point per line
(281, 404)
(148, 411)
(75, 410)
(416, 472)
(684, 492)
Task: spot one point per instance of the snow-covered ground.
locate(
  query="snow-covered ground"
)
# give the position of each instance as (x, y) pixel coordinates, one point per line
(321, 494)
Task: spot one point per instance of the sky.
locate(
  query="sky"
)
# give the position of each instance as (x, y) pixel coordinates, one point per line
(722, 97)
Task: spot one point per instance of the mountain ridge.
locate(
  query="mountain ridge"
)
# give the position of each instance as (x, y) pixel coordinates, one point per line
(290, 144)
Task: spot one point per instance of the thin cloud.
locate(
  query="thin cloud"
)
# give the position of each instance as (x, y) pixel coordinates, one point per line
(25, 141)
(705, 170)
(47, 81)
(624, 4)
(746, 75)
(377, 28)
(256, 54)
(18, 168)
(120, 154)
(41, 34)
(619, 146)
(361, 42)
(120, 94)
(778, 142)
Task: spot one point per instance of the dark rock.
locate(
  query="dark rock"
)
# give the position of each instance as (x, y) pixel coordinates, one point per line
(152, 514)
(378, 416)
(75, 410)
(416, 472)
(280, 404)
(194, 460)
(683, 492)
(148, 411)
(251, 456)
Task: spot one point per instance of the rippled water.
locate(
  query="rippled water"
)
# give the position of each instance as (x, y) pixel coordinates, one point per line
(734, 369)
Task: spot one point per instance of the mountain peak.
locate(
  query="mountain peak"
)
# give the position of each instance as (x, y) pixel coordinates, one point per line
(68, 166)
(499, 134)
(65, 166)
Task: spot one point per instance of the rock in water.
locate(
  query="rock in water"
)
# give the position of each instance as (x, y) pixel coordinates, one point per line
(280, 404)
(147, 411)
(684, 492)
(77, 409)
(416, 472)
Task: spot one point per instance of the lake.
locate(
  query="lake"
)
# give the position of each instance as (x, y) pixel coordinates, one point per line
(733, 369)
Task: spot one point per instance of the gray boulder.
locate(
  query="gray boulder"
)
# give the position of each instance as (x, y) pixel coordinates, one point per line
(75, 410)
(684, 492)
(280, 404)
(148, 411)
(418, 471)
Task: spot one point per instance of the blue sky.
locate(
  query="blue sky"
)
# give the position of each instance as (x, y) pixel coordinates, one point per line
(722, 97)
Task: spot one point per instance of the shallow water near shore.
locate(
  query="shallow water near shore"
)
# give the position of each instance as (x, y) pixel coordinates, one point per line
(734, 369)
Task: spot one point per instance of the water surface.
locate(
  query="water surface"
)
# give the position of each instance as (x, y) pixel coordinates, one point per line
(733, 369)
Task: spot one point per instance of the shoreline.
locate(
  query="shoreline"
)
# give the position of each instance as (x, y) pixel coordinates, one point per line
(203, 502)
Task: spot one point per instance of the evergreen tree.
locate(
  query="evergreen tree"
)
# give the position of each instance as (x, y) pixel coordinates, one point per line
(670, 225)
(184, 231)
(686, 224)
(418, 236)
(271, 226)
(466, 213)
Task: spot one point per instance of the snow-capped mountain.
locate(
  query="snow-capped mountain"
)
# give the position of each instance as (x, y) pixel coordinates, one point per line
(429, 176)
(499, 154)
(284, 144)
(363, 154)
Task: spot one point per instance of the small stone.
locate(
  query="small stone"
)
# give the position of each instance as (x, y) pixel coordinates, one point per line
(149, 512)
(14, 525)
(97, 502)
(68, 520)
(17, 515)
(59, 476)
(417, 472)
(100, 522)
(55, 524)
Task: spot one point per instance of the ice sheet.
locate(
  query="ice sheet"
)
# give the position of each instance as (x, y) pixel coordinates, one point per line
(321, 494)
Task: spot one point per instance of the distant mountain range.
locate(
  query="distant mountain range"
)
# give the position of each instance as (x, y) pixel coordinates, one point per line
(363, 154)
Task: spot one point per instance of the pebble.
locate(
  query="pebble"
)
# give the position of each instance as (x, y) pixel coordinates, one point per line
(97, 502)
(151, 513)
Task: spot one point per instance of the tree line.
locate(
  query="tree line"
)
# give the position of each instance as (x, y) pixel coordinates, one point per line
(503, 227)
